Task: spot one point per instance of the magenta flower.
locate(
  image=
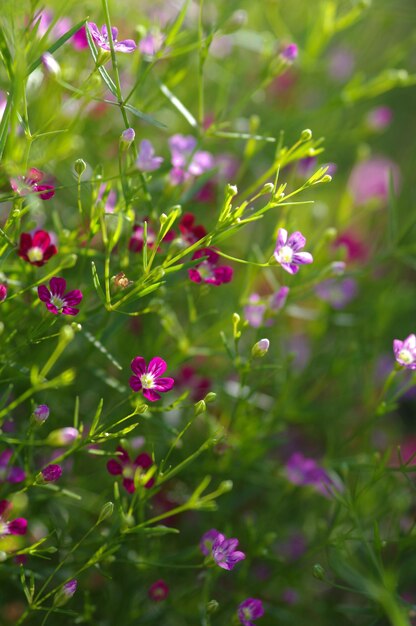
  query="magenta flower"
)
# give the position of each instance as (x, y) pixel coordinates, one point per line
(250, 609)
(405, 352)
(37, 249)
(10, 474)
(158, 591)
(290, 53)
(149, 379)
(191, 232)
(101, 39)
(127, 469)
(17, 526)
(146, 159)
(208, 271)
(56, 300)
(23, 185)
(51, 473)
(207, 541)
(305, 471)
(79, 39)
(287, 252)
(3, 292)
(224, 552)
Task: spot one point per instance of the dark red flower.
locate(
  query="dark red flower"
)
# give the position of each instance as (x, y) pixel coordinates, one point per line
(158, 591)
(127, 468)
(190, 231)
(37, 249)
(208, 271)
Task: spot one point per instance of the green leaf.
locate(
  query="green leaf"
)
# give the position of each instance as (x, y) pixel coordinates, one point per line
(176, 25)
(4, 124)
(97, 283)
(5, 53)
(143, 116)
(97, 416)
(178, 105)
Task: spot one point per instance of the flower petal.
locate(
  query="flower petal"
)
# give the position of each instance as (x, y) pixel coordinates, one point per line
(52, 308)
(127, 46)
(157, 366)
(25, 243)
(44, 293)
(144, 460)
(138, 366)
(73, 297)
(69, 310)
(41, 239)
(114, 468)
(135, 383)
(151, 395)
(58, 286)
(163, 384)
(128, 484)
(281, 238)
(296, 241)
(302, 258)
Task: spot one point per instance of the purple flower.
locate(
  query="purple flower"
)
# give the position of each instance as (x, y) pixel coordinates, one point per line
(101, 39)
(17, 526)
(379, 118)
(3, 292)
(341, 64)
(250, 609)
(370, 180)
(128, 469)
(306, 165)
(405, 352)
(52, 472)
(337, 292)
(207, 540)
(41, 413)
(301, 470)
(287, 251)
(224, 552)
(208, 271)
(65, 593)
(56, 300)
(127, 136)
(146, 159)
(149, 379)
(10, 474)
(289, 53)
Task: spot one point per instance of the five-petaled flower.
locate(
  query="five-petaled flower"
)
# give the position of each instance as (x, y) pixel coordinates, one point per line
(23, 185)
(250, 609)
(287, 252)
(56, 300)
(222, 550)
(405, 352)
(149, 379)
(127, 469)
(102, 40)
(208, 271)
(17, 526)
(36, 249)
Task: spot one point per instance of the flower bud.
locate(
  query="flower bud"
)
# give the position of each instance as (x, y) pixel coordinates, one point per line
(80, 166)
(289, 53)
(41, 413)
(200, 407)
(306, 135)
(50, 66)
(318, 572)
(65, 593)
(127, 138)
(63, 436)
(210, 397)
(50, 473)
(105, 512)
(260, 349)
(212, 607)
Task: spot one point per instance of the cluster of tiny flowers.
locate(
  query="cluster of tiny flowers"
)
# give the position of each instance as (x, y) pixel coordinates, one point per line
(129, 469)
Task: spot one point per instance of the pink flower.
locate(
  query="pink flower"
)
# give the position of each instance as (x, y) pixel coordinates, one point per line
(23, 185)
(37, 249)
(127, 469)
(287, 251)
(208, 271)
(79, 39)
(56, 300)
(186, 161)
(149, 379)
(370, 180)
(290, 53)
(158, 591)
(151, 43)
(405, 352)
(249, 610)
(17, 526)
(101, 39)
(379, 118)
